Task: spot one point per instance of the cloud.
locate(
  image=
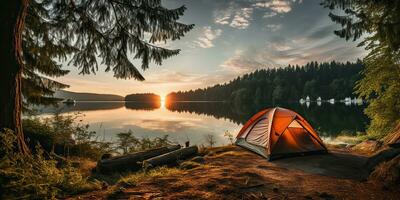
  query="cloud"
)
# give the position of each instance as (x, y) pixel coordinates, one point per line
(269, 14)
(169, 126)
(234, 15)
(173, 77)
(248, 60)
(239, 14)
(223, 17)
(322, 32)
(207, 37)
(274, 27)
(275, 7)
(184, 80)
(278, 6)
(242, 18)
(318, 44)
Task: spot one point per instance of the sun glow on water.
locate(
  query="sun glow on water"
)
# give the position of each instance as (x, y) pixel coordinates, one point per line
(162, 101)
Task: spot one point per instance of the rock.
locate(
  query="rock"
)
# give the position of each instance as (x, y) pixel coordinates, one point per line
(394, 145)
(106, 156)
(381, 156)
(198, 159)
(189, 165)
(367, 146)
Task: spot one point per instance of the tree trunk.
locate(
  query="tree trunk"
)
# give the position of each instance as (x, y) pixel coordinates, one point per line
(12, 18)
(131, 162)
(170, 158)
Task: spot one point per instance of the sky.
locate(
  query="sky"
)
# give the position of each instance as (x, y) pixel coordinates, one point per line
(231, 38)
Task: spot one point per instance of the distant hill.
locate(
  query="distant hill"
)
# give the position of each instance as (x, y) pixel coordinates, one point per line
(144, 97)
(87, 96)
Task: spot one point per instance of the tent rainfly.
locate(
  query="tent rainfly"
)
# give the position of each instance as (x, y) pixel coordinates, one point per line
(279, 132)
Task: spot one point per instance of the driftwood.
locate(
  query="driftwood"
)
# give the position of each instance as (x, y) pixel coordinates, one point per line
(394, 137)
(171, 157)
(131, 162)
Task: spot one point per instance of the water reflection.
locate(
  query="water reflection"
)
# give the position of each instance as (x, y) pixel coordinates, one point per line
(80, 106)
(193, 121)
(142, 105)
(328, 119)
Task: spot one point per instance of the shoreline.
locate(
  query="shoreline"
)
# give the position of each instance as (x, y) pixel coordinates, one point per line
(230, 172)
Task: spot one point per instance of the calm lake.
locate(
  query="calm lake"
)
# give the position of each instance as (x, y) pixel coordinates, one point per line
(193, 121)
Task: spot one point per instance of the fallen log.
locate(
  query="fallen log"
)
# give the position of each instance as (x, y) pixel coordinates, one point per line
(131, 162)
(171, 157)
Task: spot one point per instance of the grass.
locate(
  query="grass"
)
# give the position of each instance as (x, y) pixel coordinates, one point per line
(84, 165)
(134, 178)
(38, 176)
(224, 154)
(215, 150)
(120, 181)
(347, 138)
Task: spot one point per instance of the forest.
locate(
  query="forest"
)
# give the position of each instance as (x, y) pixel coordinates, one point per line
(325, 80)
(146, 97)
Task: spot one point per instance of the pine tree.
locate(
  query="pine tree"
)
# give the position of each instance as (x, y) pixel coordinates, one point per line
(39, 36)
(380, 85)
(258, 97)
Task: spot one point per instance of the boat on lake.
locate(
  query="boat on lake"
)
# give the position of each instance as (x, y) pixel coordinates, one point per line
(69, 101)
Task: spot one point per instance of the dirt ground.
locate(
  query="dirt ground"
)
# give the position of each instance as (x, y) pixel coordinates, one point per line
(234, 173)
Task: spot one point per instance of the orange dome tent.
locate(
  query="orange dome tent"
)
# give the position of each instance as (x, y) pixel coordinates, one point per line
(279, 132)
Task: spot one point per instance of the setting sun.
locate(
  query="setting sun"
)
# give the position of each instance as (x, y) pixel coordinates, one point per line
(162, 101)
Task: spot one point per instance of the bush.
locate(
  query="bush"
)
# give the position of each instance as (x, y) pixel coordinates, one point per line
(63, 135)
(128, 143)
(34, 176)
(66, 136)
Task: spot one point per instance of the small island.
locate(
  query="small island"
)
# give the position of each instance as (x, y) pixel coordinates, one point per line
(143, 97)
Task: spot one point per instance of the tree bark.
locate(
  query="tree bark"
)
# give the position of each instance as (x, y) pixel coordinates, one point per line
(12, 18)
